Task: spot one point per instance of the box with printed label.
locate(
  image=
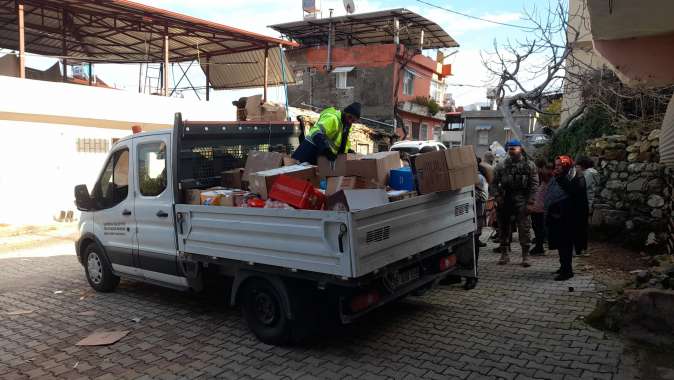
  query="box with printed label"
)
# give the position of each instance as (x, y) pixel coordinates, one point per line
(374, 167)
(451, 169)
(297, 193)
(261, 182)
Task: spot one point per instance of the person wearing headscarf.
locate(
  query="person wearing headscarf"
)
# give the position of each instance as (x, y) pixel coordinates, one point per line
(565, 212)
(537, 210)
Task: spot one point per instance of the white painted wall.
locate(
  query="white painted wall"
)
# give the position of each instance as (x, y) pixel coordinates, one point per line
(39, 162)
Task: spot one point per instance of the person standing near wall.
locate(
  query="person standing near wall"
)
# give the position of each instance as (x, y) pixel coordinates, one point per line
(565, 212)
(537, 209)
(585, 166)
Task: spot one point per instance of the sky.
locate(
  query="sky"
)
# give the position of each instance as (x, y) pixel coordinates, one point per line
(474, 36)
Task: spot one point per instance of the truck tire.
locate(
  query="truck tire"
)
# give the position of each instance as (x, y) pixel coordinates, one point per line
(98, 270)
(263, 310)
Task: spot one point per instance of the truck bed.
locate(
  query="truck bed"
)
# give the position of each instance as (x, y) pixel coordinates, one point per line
(310, 240)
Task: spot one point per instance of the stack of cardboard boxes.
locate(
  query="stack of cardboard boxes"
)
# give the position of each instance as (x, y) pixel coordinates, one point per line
(351, 182)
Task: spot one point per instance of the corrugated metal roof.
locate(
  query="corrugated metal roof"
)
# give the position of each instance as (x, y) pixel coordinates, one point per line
(120, 31)
(243, 70)
(370, 28)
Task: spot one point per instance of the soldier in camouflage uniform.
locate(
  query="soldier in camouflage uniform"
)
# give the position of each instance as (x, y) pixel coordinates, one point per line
(515, 183)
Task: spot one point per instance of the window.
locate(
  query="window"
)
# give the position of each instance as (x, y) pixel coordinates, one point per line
(415, 131)
(152, 169)
(343, 77)
(87, 145)
(299, 77)
(483, 137)
(437, 91)
(113, 186)
(423, 132)
(363, 149)
(408, 82)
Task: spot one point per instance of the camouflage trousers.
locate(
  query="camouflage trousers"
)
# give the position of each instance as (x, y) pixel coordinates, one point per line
(518, 216)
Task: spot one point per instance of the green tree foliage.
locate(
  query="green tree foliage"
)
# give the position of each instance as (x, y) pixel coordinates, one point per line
(430, 103)
(572, 139)
(552, 121)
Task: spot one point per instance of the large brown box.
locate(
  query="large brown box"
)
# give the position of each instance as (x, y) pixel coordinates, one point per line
(232, 178)
(326, 168)
(341, 183)
(374, 167)
(261, 182)
(260, 161)
(451, 169)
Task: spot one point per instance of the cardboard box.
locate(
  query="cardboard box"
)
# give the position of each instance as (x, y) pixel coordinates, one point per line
(260, 161)
(288, 161)
(451, 169)
(253, 107)
(193, 196)
(232, 178)
(399, 195)
(217, 198)
(337, 168)
(374, 167)
(357, 199)
(261, 182)
(334, 184)
(297, 193)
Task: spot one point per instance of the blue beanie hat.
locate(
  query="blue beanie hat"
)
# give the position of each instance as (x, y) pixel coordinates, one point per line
(513, 142)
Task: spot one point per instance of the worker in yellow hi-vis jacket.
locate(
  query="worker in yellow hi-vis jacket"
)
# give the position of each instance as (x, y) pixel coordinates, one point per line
(329, 136)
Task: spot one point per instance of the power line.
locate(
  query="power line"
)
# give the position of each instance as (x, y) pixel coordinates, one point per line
(475, 17)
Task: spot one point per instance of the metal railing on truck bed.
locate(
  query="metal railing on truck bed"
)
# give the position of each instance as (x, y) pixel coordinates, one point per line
(204, 149)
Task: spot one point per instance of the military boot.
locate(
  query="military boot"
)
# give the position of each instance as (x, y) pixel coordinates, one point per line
(525, 256)
(505, 259)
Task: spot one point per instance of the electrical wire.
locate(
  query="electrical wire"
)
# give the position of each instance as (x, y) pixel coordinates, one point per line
(475, 17)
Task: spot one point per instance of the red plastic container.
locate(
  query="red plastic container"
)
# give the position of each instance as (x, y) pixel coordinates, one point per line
(297, 193)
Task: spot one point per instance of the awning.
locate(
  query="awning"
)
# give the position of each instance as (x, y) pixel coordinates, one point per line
(244, 70)
(345, 69)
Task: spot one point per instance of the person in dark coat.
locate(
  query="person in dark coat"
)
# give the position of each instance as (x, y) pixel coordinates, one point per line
(566, 212)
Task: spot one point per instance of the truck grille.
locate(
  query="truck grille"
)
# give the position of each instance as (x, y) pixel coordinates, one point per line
(379, 234)
(462, 209)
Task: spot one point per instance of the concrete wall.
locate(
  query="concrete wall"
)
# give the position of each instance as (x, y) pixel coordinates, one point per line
(40, 123)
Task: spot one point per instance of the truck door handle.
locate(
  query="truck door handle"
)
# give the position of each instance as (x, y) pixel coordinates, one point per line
(161, 214)
(126, 212)
(342, 232)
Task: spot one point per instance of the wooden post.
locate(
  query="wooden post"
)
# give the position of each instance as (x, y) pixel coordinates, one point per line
(266, 72)
(166, 63)
(208, 78)
(396, 31)
(22, 41)
(64, 46)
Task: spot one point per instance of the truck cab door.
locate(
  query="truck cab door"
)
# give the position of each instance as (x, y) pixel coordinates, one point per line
(114, 222)
(153, 207)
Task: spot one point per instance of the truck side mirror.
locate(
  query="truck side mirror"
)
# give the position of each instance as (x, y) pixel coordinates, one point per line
(83, 200)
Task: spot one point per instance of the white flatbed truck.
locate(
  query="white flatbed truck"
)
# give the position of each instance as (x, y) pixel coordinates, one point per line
(286, 269)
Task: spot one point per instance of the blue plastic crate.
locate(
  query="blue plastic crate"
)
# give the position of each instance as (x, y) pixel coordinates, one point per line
(401, 179)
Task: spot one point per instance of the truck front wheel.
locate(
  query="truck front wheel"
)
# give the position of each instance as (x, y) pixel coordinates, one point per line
(98, 270)
(263, 310)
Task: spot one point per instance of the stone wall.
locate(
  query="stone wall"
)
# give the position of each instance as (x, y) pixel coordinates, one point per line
(633, 200)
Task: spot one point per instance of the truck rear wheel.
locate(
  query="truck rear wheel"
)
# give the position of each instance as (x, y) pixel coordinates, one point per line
(263, 309)
(98, 270)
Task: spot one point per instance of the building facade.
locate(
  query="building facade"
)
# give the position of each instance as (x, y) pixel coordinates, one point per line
(482, 128)
(391, 78)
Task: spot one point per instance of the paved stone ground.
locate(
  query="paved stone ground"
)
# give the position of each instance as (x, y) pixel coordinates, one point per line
(517, 324)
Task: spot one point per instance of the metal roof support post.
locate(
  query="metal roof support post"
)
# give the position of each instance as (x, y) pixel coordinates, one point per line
(22, 40)
(396, 31)
(64, 45)
(266, 72)
(166, 63)
(208, 78)
(91, 71)
(283, 75)
(328, 67)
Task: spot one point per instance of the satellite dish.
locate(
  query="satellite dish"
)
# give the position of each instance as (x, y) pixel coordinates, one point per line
(349, 6)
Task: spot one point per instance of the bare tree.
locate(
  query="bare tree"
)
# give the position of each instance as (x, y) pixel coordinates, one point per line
(539, 59)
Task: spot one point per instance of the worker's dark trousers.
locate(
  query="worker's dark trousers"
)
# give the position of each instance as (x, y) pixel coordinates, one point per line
(306, 152)
(565, 249)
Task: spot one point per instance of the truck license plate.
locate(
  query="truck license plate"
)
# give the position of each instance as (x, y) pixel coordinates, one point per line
(403, 277)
